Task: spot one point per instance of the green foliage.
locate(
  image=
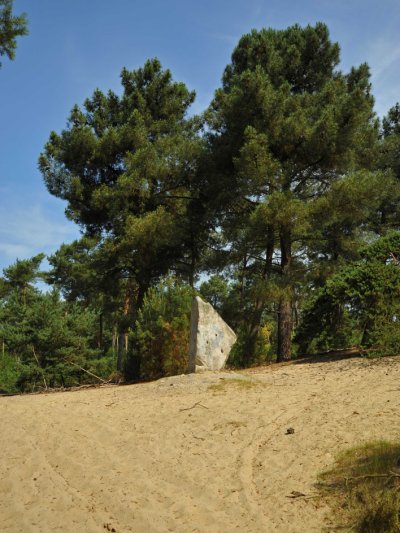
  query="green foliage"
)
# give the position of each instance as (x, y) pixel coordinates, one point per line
(288, 133)
(125, 165)
(10, 370)
(11, 27)
(48, 337)
(359, 304)
(215, 291)
(74, 270)
(47, 341)
(385, 337)
(262, 354)
(161, 335)
(274, 200)
(391, 123)
(20, 277)
(388, 159)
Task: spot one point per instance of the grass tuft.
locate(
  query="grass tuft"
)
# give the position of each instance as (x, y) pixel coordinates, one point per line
(364, 488)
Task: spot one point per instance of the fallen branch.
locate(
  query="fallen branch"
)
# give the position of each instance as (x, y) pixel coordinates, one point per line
(372, 476)
(37, 360)
(296, 494)
(87, 371)
(193, 406)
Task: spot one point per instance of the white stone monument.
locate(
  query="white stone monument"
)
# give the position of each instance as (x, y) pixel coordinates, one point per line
(211, 339)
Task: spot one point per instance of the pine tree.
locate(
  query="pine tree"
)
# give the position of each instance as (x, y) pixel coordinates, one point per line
(126, 166)
(11, 27)
(287, 127)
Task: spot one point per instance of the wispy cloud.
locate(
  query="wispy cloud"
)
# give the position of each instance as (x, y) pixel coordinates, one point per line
(384, 59)
(14, 250)
(27, 231)
(230, 39)
(384, 53)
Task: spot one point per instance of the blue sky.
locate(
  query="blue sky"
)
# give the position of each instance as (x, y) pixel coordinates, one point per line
(75, 46)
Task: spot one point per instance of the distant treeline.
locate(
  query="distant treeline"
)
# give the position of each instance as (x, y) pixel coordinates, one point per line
(280, 203)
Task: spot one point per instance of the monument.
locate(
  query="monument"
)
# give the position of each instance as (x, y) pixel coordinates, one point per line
(211, 339)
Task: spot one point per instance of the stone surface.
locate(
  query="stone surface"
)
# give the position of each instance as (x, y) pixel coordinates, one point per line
(211, 339)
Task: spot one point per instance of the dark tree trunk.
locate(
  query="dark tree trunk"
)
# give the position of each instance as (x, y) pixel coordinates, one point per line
(121, 352)
(254, 330)
(366, 336)
(192, 269)
(132, 368)
(100, 343)
(284, 329)
(285, 320)
(260, 300)
(127, 320)
(243, 282)
(114, 340)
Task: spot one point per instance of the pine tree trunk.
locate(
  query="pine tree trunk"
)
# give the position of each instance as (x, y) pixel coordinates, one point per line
(366, 336)
(192, 266)
(284, 329)
(251, 341)
(134, 361)
(100, 343)
(260, 301)
(120, 352)
(285, 320)
(114, 340)
(243, 282)
(126, 320)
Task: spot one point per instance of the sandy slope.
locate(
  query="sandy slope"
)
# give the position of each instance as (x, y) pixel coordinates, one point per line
(174, 455)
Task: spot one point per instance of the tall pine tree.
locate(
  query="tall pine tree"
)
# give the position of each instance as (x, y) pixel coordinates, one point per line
(126, 166)
(286, 127)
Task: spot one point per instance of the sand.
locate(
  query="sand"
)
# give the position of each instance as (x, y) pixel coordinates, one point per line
(198, 453)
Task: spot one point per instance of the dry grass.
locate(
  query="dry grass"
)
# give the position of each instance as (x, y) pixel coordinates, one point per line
(240, 383)
(363, 488)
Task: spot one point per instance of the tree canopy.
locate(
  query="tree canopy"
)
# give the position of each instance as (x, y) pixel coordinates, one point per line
(280, 203)
(11, 27)
(293, 136)
(125, 166)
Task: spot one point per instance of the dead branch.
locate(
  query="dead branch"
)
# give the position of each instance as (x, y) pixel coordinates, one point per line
(87, 371)
(37, 360)
(372, 476)
(294, 495)
(193, 406)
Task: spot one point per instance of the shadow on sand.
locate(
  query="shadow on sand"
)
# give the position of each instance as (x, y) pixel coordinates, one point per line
(331, 356)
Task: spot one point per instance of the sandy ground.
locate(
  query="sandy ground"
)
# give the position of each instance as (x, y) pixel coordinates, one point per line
(182, 455)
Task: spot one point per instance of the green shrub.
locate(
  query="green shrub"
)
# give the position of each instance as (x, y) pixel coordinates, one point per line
(385, 339)
(10, 369)
(161, 337)
(263, 353)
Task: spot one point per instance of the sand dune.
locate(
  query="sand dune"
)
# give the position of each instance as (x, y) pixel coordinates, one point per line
(198, 453)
